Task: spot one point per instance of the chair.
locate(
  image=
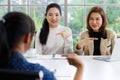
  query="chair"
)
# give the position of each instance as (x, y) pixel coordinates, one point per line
(7, 74)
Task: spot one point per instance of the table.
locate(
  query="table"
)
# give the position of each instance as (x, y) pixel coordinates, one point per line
(93, 69)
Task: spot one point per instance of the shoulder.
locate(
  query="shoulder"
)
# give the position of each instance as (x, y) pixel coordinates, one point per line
(65, 28)
(110, 32)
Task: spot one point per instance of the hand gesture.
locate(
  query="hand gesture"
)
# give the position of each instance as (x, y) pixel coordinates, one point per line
(73, 59)
(65, 34)
(85, 42)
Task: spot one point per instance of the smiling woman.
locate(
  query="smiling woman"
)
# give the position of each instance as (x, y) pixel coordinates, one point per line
(52, 37)
(97, 38)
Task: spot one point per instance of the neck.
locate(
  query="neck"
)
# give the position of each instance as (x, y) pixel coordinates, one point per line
(96, 30)
(53, 26)
(20, 48)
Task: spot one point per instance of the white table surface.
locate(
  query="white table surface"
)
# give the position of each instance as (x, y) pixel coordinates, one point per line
(93, 69)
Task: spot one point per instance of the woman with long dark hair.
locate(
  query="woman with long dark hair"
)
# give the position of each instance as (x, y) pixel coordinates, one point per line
(52, 37)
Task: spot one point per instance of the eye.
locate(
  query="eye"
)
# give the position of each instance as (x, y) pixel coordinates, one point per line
(98, 18)
(90, 18)
(57, 14)
(50, 14)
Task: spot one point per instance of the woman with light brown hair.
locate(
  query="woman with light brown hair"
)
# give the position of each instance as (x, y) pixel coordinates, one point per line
(97, 40)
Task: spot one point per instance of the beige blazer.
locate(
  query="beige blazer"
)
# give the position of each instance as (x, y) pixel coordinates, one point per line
(106, 45)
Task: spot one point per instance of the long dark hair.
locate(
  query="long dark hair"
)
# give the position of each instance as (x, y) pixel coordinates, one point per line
(13, 26)
(45, 26)
(4, 49)
(102, 29)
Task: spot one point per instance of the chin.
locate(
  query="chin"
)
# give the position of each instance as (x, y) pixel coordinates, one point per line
(95, 30)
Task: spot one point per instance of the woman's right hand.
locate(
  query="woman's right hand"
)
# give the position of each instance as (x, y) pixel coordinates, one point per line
(74, 60)
(85, 42)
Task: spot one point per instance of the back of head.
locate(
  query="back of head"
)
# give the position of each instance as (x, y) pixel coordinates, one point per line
(17, 24)
(3, 38)
(13, 27)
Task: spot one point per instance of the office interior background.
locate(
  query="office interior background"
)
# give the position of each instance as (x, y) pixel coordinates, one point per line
(74, 12)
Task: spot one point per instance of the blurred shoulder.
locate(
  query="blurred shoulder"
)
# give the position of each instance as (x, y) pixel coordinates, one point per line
(65, 28)
(109, 32)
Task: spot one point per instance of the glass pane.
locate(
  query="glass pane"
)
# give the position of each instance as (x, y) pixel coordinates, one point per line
(3, 11)
(94, 2)
(113, 17)
(18, 2)
(75, 18)
(38, 2)
(113, 1)
(76, 38)
(88, 9)
(2, 2)
(20, 8)
(63, 17)
(56, 1)
(75, 1)
(37, 14)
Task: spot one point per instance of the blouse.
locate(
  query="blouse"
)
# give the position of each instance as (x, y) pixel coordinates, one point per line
(18, 62)
(55, 44)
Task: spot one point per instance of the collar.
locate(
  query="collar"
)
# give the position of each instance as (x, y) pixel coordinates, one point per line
(17, 55)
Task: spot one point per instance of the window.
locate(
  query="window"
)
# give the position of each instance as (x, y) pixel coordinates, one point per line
(74, 12)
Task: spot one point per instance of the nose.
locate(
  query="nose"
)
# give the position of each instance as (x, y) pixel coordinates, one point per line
(54, 17)
(94, 21)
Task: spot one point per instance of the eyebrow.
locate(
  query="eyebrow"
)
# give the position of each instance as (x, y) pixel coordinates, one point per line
(53, 13)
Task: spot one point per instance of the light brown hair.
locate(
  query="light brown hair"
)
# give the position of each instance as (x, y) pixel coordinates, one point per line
(102, 29)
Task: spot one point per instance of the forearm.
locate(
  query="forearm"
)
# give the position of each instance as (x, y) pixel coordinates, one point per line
(68, 47)
(80, 44)
(79, 74)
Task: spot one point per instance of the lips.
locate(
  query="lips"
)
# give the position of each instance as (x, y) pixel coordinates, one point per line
(53, 21)
(94, 26)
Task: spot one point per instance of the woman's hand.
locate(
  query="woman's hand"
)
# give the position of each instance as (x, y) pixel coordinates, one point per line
(85, 42)
(65, 34)
(74, 60)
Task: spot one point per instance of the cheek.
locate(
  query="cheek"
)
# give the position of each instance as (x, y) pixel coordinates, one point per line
(90, 23)
(100, 23)
(48, 19)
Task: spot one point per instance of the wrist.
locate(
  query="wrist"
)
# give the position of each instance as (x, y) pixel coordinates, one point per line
(79, 46)
(80, 67)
